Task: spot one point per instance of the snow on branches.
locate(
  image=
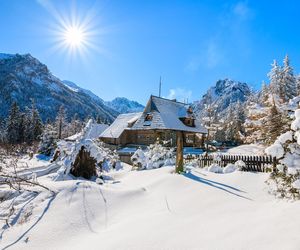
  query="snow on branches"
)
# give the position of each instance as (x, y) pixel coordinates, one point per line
(102, 158)
(287, 150)
(155, 156)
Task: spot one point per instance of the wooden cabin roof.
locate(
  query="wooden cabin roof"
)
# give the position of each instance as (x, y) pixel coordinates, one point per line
(121, 123)
(166, 114)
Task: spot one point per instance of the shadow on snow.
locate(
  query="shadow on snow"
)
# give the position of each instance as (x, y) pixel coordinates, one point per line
(218, 185)
(32, 226)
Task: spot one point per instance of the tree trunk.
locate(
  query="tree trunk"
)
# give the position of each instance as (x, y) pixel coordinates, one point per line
(179, 152)
(59, 129)
(84, 165)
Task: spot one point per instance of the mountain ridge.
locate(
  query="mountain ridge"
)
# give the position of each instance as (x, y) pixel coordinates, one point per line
(23, 77)
(224, 93)
(124, 105)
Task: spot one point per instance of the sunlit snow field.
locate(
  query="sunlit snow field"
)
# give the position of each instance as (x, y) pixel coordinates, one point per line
(155, 209)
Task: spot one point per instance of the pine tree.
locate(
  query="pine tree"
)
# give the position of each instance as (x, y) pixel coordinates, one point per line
(76, 125)
(48, 140)
(99, 120)
(22, 127)
(264, 94)
(274, 126)
(286, 149)
(13, 124)
(60, 121)
(288, 80)
(2, 130)
(220, 135)
(235, 121)
(36, 122)
(210, 115)
(298, 84)
(28, 137)
(275, 76)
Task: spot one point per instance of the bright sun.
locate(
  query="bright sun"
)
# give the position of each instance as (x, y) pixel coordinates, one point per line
(74, 36)
(76, 33)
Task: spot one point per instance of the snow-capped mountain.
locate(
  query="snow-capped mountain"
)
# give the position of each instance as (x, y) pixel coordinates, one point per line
(74, 87)
(23, 77)
(5, 56)
(220, 96)
(123, 105)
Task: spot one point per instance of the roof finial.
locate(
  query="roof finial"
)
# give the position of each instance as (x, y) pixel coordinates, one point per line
(159, 93)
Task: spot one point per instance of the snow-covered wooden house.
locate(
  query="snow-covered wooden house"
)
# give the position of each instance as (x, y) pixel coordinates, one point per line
(162, 118)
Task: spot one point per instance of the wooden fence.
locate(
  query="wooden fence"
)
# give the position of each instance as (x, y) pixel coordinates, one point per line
(253, 163)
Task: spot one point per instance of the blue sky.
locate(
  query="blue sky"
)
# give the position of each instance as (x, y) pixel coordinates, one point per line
(191, 44)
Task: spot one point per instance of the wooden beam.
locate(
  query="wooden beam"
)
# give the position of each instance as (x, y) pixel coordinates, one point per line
(179, 152)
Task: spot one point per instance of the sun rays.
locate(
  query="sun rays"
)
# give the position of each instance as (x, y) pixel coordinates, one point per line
(75, 33)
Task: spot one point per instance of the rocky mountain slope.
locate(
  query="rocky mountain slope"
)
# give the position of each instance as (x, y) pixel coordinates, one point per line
(23, 77)
(123, 105)
(220, 96)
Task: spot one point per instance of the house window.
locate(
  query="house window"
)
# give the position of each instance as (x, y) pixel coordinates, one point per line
(190, 110)
(148, 119)
(189, 139)
(188, 122)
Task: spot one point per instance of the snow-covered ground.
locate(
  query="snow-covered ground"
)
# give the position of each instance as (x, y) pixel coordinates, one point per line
(155, 209)
(24, 163)
(37, 161)
(247, 149)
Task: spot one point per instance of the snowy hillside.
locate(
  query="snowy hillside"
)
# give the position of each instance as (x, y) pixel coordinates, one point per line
(74, 87)
(123, 105)
(23, 77)
(155, 209)
(5, 56)
(220, 96)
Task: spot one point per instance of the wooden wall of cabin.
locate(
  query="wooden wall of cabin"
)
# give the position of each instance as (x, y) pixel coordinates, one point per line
(140, 137)
(113, 141)
(147, 137)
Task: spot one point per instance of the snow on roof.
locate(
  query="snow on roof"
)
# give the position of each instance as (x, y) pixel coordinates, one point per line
(120, 124)
(165, 115)
(134, 119)
(94, 132)
(85, 139)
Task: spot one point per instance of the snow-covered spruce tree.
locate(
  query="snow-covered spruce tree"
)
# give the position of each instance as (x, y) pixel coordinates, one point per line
(210, 116)
(13, 122)
(155, 156)
(255, 118)
(33, 126)
(288, 80)
(35, 122)
(298, 84)
(48, 141)
(75, 126)
(275, 76)
(259, 122)
(60, 122)
(23, 128)
(264, 93)
(235, 119)
(28, 133)
(274, 124)
(99, 120)
(285, 181)
(2, 130)
(220, 135)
